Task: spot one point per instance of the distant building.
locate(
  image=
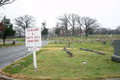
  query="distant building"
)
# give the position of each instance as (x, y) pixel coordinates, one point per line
(77, 32)
(62, 32)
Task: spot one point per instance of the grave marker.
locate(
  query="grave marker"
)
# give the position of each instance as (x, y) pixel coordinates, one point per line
(116, 56)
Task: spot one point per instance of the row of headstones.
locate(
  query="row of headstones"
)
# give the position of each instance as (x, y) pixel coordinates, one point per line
(68, 52)
(59, 41)
(51, 38)
(92, 51)
(93, 37)
(92, 41)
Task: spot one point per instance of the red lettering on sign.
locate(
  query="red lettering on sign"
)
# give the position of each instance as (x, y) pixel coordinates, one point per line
(29, 41)
(36, 40)
(29, 37)
(36, 29)
(32, 41)
(36, 36)
(34, 49)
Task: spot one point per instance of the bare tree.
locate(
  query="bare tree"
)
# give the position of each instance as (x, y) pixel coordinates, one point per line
(51, 32)
(25, 21)
(72, 21)
(57, 28)
(87, 23)
(117, 30)
(118, 27)
(79, 21)
(64, 20)
(19, 30)
(5, 2)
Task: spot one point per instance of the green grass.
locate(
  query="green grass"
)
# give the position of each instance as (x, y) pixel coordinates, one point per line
(10, 44)
(54, 63)
(18, 39)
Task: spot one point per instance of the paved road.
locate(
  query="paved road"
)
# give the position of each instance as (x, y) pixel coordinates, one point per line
(11, 54)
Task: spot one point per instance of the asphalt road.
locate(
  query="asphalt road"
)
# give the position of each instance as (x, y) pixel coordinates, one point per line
(11, 54)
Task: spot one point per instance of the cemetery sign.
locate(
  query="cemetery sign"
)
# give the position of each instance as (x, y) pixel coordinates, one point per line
(33, 37)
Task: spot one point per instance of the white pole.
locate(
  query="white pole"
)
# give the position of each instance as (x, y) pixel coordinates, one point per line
(34, 59)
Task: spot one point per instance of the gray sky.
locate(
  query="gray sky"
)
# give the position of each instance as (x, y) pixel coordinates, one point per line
(107, 12)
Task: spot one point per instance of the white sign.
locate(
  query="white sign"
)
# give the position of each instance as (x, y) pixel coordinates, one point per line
(33, 37)
(33, 49)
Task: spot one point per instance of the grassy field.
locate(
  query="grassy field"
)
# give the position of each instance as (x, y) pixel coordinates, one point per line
(54, 63)
(10, 44)
(18, 39)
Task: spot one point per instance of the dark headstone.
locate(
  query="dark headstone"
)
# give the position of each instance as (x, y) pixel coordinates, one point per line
(104, 42)
(60, 42)
(55, 42)
(116, 56)
(70, 54)
(67, 51)
(64, 48)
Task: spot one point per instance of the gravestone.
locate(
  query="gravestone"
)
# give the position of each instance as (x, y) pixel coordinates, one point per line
(107, 35)
(69, 45)
(104, 41)
(77, 42)
(60, 42)
(81, 37)
(116, 56)
(64, 48)
(103, 38)
(92, 41)
(55, 42)
(112, 42)
(64, 37)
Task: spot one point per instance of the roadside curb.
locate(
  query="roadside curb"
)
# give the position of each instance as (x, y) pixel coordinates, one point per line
(6, 78)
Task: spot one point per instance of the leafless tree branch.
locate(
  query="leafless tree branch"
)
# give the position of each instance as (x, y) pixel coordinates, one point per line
(5, 2)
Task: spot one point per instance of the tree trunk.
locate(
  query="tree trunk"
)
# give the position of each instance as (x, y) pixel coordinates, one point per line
(73, 31)
(67, 32)
(86, 32)
(3, 41)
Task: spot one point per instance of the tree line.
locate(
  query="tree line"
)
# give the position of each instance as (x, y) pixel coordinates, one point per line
(78, 24)
(74, 22)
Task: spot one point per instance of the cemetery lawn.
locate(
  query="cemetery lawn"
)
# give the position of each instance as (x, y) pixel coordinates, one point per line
(10, 44)
(18, 39)
(54, 63)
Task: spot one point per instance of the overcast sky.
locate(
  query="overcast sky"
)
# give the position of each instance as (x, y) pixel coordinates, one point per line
(107, 12)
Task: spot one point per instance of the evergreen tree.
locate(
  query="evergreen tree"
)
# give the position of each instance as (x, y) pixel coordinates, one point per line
(9, 29)
(45, 31)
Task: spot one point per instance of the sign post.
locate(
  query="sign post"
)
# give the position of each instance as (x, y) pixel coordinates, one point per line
(33, 39)
(34, 59)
